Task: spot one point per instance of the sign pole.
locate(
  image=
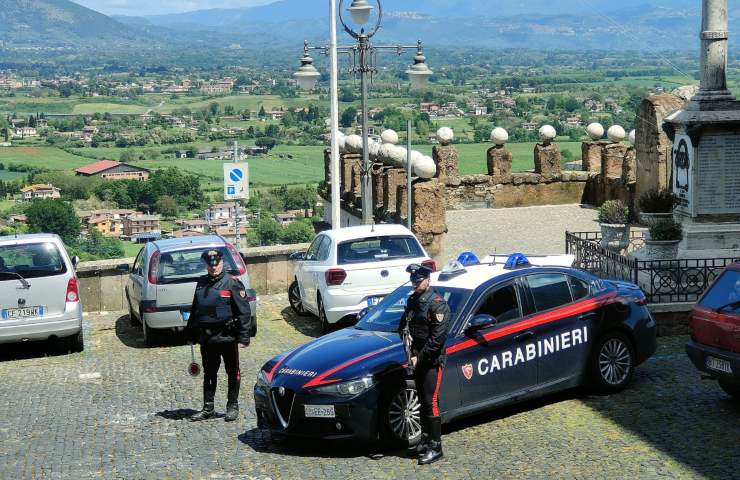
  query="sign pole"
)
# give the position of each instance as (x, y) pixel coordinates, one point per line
(335, 192)
(237, 239)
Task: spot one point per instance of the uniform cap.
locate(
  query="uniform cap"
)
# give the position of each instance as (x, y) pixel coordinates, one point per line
(212, 257)
(417, 273)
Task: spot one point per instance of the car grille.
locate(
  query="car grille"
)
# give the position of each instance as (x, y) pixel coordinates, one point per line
(283, 404)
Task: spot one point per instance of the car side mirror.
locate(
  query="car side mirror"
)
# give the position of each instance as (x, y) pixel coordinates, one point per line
(124, 268)
(244, 257)
(75, 261)
(479, 322)
(362, 313)
(298, 256)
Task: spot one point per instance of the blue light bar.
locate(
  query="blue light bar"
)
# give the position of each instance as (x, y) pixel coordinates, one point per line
(516, 260)
(468, 258)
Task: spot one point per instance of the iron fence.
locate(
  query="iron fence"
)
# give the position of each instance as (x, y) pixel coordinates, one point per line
(663, 281)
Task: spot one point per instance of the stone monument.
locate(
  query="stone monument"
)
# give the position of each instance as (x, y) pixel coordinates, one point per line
(446, 158)
(706, 148)
(591, 151)
(499, 158)
(547, 155)
(629, 167)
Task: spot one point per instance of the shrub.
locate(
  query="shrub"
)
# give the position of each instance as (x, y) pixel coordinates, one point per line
(657, 201)
(666, 230)
(614, 212)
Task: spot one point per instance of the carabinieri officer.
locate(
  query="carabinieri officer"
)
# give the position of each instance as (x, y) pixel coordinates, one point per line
(220, 320)
(427, 316)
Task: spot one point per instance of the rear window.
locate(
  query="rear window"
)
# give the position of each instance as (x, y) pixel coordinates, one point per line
(33, 260)
(185, 266)
(724, 294)
(377, 249)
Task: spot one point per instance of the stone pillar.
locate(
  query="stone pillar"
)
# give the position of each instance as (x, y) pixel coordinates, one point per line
(547, 161)
(612, 160)
(347, 162)
(591, 155)
(378, 170)
(393, 178)
(500, 160)
(429, 213)
(356, 192)
(327, 168)
(448, 164)
(629, 167)
(714, 43)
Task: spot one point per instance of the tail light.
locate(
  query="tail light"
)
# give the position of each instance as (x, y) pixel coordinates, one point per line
(430, 264)
(237, 259)
(335, 276)
(153, 266)
(73, 294)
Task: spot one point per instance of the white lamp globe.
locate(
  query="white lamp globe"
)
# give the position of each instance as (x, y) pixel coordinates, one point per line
(548, 133)
(360, 11)
(445, 135)
(595, 131)
(616, 133)
(307, 75)
(499, 136)
(425, 168)
(389, 136)
(419, 72)
(633, 137)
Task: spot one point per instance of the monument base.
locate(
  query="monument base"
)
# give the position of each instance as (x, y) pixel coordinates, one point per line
(711, 237)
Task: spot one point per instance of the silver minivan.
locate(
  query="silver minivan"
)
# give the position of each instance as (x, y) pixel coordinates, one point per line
(161, 283)
(39, 293)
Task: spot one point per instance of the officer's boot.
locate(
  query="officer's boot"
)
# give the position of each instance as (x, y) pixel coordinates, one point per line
(232, 412)
(204, 414)
(232, 404)
(434, 452)
(423, 445)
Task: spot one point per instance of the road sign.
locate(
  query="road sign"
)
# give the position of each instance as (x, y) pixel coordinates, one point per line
(236, 181)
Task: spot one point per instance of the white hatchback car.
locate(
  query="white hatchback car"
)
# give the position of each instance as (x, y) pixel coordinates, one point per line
(347, 270)
(39, 295)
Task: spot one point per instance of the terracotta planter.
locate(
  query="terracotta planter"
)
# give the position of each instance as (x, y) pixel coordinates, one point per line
(615, 236)
(665, 250)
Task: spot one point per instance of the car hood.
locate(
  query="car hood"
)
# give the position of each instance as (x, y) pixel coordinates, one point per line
(343, 355)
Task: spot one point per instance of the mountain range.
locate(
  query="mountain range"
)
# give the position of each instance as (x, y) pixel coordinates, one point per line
(536, 24)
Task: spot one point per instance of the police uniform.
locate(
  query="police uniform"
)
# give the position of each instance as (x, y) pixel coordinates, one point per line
(220, 320)
(427, 317)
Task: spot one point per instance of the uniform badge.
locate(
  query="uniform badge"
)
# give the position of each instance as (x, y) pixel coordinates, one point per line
(467, 370)
(242, 294)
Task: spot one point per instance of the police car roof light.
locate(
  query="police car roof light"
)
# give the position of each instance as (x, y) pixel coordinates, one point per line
(516, 260)
(453, 269)
(467, 259)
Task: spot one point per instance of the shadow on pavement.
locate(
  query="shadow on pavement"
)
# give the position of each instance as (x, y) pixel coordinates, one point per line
(38, 349)
(133, 337)
(179, 414)
(308, 325)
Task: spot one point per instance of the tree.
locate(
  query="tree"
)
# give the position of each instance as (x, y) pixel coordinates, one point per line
(268, 231)
(300, 231)
(572, 104)
(128, 156)
(266, 142)
(347, 95)
(348, 117)
(262, 113)
(96, 246)
(214, 108)
(54, 216)
(167, 206)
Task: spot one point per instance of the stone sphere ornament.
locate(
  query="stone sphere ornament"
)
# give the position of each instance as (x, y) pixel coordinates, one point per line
(445, 135)
(616, 134)
(633, 137)
(595, 131)
(416, 156)
(499, 136)
(373, 149)
(425, 168)
(389, 136)
(341, 142)
(354, 144)
(547, 134)
(399, 155)
(385, 153)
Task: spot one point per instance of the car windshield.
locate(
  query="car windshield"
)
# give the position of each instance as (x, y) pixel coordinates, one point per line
(185, 266)
(33, 260)
(378, 249)
(724, 294)
(387, 315)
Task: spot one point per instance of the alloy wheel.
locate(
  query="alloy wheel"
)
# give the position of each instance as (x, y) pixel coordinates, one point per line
(404, 415)
(615, 361)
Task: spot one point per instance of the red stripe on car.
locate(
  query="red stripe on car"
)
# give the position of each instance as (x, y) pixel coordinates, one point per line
(322, 380)
(271, 373)
(537, 320)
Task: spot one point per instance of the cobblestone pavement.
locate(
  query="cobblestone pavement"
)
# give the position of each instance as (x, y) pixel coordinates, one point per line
(117, 411)
(509, 230)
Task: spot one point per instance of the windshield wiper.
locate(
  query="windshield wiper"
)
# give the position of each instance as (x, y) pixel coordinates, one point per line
(734, 304)
(23, 281)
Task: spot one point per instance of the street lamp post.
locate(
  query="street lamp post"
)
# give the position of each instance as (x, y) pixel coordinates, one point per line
(363, 54)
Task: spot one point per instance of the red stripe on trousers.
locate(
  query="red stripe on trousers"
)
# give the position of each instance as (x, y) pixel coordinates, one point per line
(435, 397)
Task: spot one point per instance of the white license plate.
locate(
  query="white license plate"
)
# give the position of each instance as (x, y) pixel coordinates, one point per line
(719, 365)
(25, 312)
(319, 411)
(374, 301)
(185, 316)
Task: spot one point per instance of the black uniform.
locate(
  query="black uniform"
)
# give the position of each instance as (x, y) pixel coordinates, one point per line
(220, 320)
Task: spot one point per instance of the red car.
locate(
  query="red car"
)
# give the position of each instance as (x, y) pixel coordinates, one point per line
(715, 331)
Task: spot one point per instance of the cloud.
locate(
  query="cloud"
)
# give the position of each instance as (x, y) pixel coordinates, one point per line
(158, 7)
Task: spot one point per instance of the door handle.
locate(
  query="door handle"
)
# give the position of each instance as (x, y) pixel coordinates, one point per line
(524, 336)
(588, 316)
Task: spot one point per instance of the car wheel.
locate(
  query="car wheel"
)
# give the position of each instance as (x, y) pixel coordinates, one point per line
(296, 302)
(150, 335)
(77, 343)
(400, 415)
(323, 321)
(732, 389)
(612, 363)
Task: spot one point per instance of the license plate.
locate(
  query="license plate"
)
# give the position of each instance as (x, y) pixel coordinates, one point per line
(719, 365)
(374, 301)
(319, 411)
(25, 312)
(185, 316)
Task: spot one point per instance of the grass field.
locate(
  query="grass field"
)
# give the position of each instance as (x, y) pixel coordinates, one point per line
(6, 175)
(130, 250)
(50, 158)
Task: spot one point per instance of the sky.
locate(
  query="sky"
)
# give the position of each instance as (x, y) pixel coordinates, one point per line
(156, 7)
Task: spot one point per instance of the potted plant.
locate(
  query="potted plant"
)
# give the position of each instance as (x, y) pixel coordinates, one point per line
(613, 219)
(665, 235)
(656, 204)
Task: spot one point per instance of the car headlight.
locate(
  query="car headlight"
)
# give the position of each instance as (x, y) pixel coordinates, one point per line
(347, 389)
(262, 379)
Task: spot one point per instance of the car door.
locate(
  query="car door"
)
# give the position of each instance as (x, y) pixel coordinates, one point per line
(136, 280)
(563, 330)
(494, 363)
(306, 274)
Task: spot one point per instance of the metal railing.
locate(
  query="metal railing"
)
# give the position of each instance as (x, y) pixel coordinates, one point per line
(663, 281)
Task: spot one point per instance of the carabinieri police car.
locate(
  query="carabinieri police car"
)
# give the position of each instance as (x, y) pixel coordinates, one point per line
(519, 329)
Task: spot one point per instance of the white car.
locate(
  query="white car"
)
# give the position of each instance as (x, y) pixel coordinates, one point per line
(347, 270)
(39, 294)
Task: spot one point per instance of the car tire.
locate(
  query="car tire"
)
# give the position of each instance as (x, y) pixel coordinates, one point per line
(395, 428)
(323, 321)
(77, 343)
(732, 389)
(150, 335)
(294, 298)
(612, 363)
